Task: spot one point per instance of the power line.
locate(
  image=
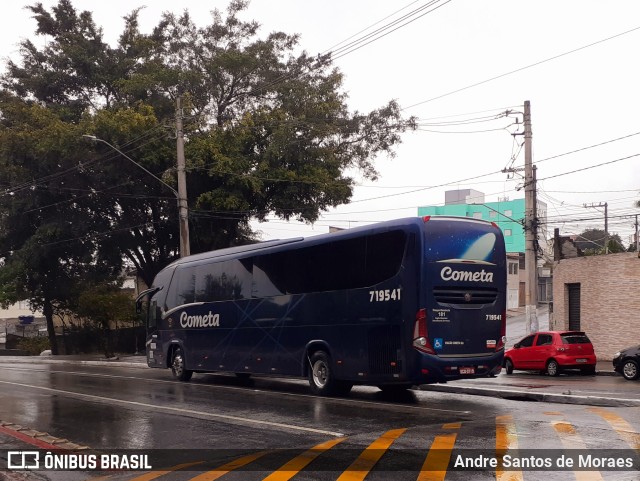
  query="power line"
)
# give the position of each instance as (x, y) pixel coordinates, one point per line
(384, 31)
(523, 68)
(590, 167)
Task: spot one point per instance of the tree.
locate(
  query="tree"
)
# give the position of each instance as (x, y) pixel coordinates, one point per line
(47, 242)
(101, 305)
(268, 131)
(591, 242)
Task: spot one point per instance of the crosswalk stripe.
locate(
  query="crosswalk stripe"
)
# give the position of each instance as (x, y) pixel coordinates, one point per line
(622, 427)
(297, 464)
(506, 439)
(570, 439)
(360, 468)
(439, 455)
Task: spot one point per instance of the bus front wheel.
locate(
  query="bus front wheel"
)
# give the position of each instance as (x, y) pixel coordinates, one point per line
(180, 372)
(321, 377)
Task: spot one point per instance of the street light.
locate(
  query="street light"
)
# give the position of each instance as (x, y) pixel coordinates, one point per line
(182, 200)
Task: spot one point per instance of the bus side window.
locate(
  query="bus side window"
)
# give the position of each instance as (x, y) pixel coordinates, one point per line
(223, 281)
(384, 256)
(344, 264)
(268, 276)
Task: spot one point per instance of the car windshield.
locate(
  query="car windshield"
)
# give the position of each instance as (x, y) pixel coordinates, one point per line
(575, 339)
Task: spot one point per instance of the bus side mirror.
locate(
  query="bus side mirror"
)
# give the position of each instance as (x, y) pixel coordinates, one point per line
(142, 296)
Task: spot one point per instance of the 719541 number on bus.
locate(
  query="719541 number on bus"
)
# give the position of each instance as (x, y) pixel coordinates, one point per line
(384, 295)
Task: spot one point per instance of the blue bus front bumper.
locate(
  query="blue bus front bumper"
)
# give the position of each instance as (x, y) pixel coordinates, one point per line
(434, 369)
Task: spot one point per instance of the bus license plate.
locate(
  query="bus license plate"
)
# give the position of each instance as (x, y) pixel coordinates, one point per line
(467, 370)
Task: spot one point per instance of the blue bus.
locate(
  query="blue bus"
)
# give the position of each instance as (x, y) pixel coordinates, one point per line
(394, 304)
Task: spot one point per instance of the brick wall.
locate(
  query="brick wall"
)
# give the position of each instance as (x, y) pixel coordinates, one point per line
(609, 299)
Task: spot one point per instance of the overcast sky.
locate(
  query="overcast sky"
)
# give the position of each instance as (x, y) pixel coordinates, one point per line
(578, 100)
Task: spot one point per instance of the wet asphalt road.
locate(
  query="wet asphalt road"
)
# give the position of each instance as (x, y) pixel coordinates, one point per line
(215, 419)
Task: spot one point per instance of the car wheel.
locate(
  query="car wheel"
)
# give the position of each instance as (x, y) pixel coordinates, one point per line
(321, 377)
(180, 372)
(508, 366)
(553, 369)
(630, 370)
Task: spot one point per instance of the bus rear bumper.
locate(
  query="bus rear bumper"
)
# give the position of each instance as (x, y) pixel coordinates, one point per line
(434, 369)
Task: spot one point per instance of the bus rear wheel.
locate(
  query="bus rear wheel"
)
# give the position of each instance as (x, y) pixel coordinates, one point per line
(180, 372)
(321, 378)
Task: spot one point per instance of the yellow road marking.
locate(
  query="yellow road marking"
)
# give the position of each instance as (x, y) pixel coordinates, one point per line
(227, 468)
(156, 474)
(506, 439)
(571, 440)
(297, 464)
(452, 426)
(622, 427)
(360, 468)
(437, 461)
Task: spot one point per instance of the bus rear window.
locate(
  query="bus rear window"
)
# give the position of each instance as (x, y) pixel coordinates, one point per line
(459, 241)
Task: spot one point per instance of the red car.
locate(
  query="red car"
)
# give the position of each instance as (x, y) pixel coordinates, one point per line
(551, 352)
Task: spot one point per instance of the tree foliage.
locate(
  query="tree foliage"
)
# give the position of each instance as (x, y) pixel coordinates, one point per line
(267, 129)
(592, 241)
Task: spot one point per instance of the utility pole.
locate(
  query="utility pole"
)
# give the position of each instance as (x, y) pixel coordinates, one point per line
(182, 184)
(637, 240)
(531, 232)
(606, 222)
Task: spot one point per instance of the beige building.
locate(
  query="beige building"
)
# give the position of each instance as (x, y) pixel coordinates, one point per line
(599, 295)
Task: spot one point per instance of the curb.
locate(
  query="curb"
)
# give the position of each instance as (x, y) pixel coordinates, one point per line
(39, 439)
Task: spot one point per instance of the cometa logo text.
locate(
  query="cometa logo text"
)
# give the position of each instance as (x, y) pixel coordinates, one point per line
(448, 274)
(206, 320)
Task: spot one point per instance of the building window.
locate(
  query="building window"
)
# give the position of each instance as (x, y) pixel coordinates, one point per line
(492, 213)
(508, 233)
(477, 215)
(513, 267)
(508, 213)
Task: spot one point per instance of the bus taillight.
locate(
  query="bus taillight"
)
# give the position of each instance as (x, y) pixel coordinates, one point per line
(420, 335)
